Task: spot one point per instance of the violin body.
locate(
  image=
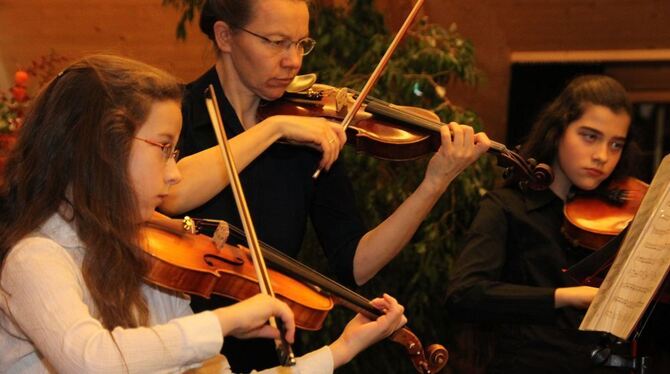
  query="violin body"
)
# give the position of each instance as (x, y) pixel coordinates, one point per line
(384, 138)
(191, 263)
(591, 220)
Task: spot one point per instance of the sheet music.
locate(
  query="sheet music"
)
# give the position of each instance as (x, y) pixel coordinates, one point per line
(640, 266)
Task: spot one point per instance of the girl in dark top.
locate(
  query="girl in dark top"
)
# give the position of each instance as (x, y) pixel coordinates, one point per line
(260, 46)
(509, 272)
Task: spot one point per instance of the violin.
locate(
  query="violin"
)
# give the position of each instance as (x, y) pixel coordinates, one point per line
(192, 263)
(394, 132)
(593, 218)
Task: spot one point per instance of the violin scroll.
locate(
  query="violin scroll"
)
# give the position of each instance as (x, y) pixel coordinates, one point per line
(540, 177)
(431, 360)
(529, 173)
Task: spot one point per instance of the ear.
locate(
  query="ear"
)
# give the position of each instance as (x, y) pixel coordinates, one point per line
(223, 35)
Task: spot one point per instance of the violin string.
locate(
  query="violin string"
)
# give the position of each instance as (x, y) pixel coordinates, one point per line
(290, 264)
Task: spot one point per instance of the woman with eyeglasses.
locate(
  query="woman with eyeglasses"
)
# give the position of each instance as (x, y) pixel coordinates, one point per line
(93, 160)
(260, 46)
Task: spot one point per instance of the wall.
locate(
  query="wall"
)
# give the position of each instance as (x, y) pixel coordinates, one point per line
(500, 30)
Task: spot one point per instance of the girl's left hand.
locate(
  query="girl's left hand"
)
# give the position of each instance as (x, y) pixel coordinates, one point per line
(460, 148)
(361, 332)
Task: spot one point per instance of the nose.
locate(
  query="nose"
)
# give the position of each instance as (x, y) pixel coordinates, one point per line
(172, 173)
(292, 57)
(601, 153)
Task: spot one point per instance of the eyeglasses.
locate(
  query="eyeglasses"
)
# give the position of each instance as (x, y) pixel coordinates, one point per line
(167, 150)
(304, 45)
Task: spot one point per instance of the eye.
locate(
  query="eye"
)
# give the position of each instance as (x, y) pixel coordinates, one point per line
(282, 43)
(589, 136)
(167, 150)
(617, 145)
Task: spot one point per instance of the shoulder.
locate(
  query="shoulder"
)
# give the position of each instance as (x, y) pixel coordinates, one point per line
(195, 90)
(37, 261)
(36, 250)
(503, 197)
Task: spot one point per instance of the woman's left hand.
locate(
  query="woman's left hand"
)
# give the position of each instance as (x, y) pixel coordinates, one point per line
(460, 148)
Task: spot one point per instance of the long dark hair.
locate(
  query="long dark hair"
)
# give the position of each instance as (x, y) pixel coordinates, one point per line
(542, 142)
(72, 156)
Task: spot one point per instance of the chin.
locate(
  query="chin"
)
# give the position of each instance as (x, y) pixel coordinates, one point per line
(146, 214)
(588, 185)
(272, 94)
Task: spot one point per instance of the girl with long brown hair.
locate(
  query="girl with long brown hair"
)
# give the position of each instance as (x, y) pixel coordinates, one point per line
(94, 158)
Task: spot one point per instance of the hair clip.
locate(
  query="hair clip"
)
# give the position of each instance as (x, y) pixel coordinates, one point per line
(61, 73)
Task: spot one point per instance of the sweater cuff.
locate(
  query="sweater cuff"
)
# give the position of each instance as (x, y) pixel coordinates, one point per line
(202, 335)
(316, 362)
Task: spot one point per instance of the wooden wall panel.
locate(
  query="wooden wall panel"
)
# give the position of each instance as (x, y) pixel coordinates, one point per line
(532, 25)
(141, 29)
(145, 30)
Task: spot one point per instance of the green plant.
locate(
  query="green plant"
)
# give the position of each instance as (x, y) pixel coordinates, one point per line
(350, 43)
(188, 9)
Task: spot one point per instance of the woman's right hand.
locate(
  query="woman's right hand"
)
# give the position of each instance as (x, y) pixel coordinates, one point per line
(249, 318)
(579, 297)
(362, 332)
(319, 133)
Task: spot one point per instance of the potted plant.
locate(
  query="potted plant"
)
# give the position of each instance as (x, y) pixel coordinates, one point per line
(14, 102)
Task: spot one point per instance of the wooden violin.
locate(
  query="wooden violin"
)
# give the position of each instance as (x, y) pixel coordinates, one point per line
(393, 132)
(594, 218)
(192, 263)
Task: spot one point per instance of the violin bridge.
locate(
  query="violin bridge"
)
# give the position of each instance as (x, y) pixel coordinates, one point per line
(341, 99)
(221, 234)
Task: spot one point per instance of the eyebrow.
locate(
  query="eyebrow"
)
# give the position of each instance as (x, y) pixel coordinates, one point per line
(167, 136)
(282, 35)
(589, 128)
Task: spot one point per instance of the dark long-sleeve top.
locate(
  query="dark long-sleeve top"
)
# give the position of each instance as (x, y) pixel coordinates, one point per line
(280, 191)
(281, 195)
(506, 276)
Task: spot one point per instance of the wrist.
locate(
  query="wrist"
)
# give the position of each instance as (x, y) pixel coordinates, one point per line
(274, 128)
(225, 321)
(559, 298)
(341, 353)
(431, 188)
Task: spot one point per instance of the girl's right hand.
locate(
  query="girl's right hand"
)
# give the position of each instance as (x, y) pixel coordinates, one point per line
(249, 318)
(319, 133)
(577, 297)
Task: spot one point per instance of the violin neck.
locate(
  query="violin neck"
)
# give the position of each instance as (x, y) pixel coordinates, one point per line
(382, 109)
(386, 110)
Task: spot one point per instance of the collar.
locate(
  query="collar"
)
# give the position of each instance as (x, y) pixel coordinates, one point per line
(60, 231)
(538, 199)
(197, 90)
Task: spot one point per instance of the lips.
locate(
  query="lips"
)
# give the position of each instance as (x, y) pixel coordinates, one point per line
(594, 172)
(281, 81)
